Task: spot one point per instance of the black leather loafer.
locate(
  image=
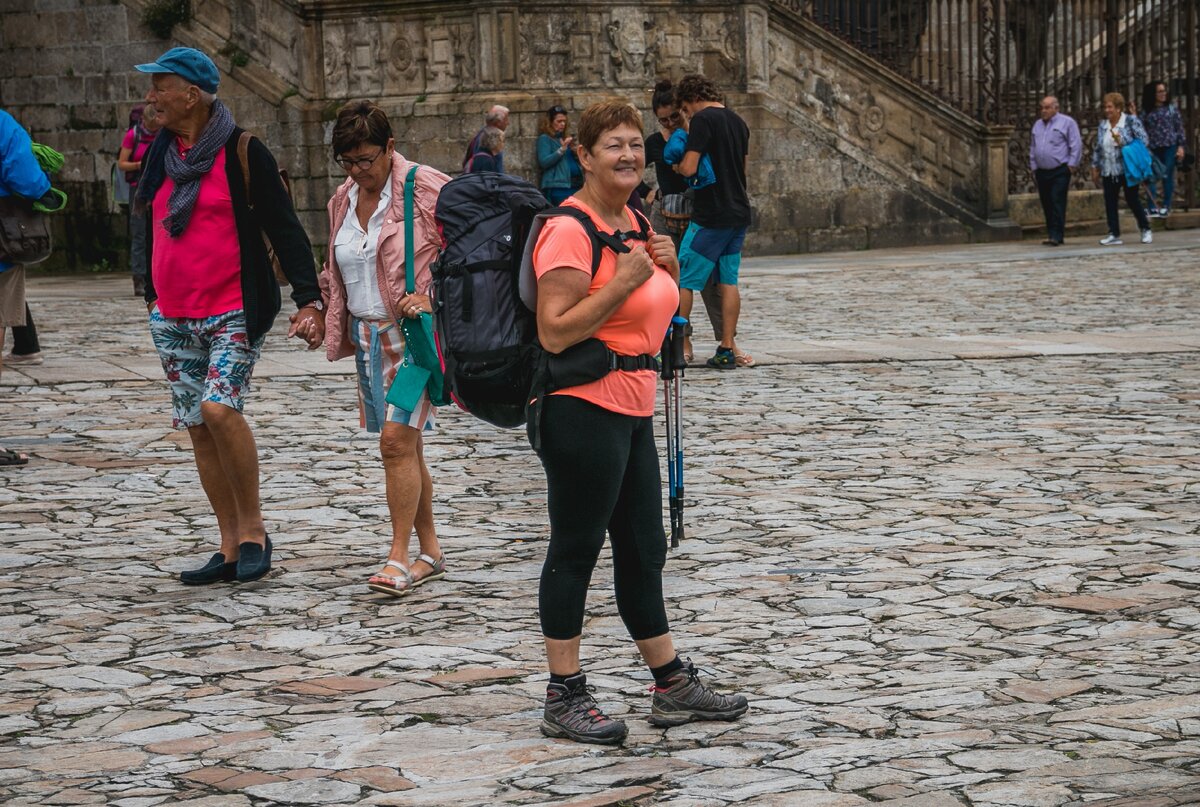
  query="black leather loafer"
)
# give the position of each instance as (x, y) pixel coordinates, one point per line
(253, 561)
(215, 571)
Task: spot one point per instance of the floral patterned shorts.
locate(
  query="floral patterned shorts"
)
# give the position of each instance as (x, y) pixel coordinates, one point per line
(208, 359)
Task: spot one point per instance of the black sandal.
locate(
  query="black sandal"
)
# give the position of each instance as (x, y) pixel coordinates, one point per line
(8, 458)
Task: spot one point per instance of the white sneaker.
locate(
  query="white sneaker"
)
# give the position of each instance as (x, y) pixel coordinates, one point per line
(1111, 240)
(25, 359)
(1147, 237)
(1163, 212)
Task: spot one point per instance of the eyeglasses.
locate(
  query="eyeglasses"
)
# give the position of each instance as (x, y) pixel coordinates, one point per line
(674, 117)
(361, 163)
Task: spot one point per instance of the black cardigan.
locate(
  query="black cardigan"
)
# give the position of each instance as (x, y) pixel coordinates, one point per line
(274, 215)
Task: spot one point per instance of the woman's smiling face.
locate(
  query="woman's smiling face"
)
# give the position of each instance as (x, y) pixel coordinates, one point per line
(617, 159)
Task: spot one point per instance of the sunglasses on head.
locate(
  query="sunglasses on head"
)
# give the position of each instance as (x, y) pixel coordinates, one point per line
(557, 110)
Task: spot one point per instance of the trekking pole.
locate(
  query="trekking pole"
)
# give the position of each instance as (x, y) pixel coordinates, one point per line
(667, 372)
(678, 334)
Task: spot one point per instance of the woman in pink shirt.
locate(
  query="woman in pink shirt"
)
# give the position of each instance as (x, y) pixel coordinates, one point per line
(143, 129)
(597, 438)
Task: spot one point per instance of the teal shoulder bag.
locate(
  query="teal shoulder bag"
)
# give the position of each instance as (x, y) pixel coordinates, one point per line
(420, 369)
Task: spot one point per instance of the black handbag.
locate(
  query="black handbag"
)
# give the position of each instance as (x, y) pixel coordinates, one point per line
(24, 232)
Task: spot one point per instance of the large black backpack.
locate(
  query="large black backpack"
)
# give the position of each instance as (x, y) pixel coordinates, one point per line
(486, 333)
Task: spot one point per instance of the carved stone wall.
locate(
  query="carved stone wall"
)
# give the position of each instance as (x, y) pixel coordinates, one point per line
(843, 154)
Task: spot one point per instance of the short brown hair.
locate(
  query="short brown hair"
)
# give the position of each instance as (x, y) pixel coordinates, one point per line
(695, 87)
(359, 122)
(1116, 99)
(600, 117)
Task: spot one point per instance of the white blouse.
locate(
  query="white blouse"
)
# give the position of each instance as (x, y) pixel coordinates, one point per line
(354, 250)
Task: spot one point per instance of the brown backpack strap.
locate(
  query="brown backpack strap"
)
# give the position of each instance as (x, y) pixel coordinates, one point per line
(243, 152)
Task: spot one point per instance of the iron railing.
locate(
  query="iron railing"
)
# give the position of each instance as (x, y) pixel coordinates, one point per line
(996, 59)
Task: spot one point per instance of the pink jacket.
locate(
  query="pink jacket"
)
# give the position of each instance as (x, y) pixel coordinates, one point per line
(389, 253)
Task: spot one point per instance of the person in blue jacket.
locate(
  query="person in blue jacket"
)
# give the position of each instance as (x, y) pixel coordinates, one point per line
(20, 175)
(673, 155)
(552, 147)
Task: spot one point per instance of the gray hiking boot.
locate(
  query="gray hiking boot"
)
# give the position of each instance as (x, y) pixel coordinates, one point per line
(572, 712)
(685, 699)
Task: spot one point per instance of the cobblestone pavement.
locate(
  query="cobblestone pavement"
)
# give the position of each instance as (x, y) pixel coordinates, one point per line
(944, 537)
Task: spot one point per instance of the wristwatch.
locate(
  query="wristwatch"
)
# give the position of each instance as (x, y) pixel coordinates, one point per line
(318, 304)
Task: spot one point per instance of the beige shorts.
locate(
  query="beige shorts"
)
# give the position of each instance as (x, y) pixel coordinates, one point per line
(12, 297)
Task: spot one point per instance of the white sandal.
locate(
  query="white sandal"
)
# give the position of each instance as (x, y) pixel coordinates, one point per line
(393, 585)
(438, 566)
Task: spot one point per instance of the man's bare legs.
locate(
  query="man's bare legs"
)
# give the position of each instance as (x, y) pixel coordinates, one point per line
(685, 311)
(227, 460)
(731, 308)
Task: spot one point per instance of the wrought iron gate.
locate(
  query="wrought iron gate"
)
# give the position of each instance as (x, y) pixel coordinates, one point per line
(996, 59)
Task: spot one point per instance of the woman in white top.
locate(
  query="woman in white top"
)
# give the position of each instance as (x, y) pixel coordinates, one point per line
(364, 285)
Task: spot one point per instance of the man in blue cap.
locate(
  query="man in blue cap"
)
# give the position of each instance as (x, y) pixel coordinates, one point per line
(211, 290)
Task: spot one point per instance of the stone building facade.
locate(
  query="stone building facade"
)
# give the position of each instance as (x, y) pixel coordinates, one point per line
(844, 154)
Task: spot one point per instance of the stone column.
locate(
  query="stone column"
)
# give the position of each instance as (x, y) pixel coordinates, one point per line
(756, 24)
(995, 159)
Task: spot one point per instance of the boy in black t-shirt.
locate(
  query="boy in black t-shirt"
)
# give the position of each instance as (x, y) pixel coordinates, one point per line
(721, 212)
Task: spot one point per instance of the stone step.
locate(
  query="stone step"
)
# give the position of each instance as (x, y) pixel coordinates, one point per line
(1178, 220)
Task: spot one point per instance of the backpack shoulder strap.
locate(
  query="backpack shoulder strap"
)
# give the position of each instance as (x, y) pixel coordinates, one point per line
(643, 233)
(243, 153)
(614, 241)
(410, 182)
(589, 227)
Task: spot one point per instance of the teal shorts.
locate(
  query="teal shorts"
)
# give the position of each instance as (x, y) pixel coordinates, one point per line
(705, 250)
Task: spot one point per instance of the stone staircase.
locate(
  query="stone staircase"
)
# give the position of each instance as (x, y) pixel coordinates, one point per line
(845, 154)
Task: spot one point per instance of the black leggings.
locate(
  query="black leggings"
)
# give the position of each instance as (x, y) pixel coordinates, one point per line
(601, 472)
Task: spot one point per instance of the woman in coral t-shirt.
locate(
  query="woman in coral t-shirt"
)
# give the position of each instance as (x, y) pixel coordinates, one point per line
(597, 439)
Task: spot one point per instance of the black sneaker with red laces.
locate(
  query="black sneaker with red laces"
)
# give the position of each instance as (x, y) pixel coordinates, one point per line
(685, 699)
(573, 713)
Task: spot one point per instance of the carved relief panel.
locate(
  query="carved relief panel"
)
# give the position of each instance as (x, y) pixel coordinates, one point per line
(632, 45)
(402, 57)
(354, 54)
(452, 55)
(561, 49)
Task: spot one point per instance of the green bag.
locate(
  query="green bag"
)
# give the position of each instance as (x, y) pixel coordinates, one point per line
(421, 369)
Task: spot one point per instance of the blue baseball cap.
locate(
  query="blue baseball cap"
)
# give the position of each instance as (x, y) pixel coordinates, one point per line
(189, 64)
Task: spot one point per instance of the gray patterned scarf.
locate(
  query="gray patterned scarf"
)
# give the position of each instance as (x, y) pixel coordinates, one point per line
(186, 172)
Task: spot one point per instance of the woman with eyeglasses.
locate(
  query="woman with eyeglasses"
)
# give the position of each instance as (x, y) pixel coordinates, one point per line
(553, 145)
(364, 287)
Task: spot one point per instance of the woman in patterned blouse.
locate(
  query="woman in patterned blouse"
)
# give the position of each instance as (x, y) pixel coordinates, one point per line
(1164, 125)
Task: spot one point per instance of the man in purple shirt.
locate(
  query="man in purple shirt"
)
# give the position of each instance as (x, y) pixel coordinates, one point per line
(1055, 149)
